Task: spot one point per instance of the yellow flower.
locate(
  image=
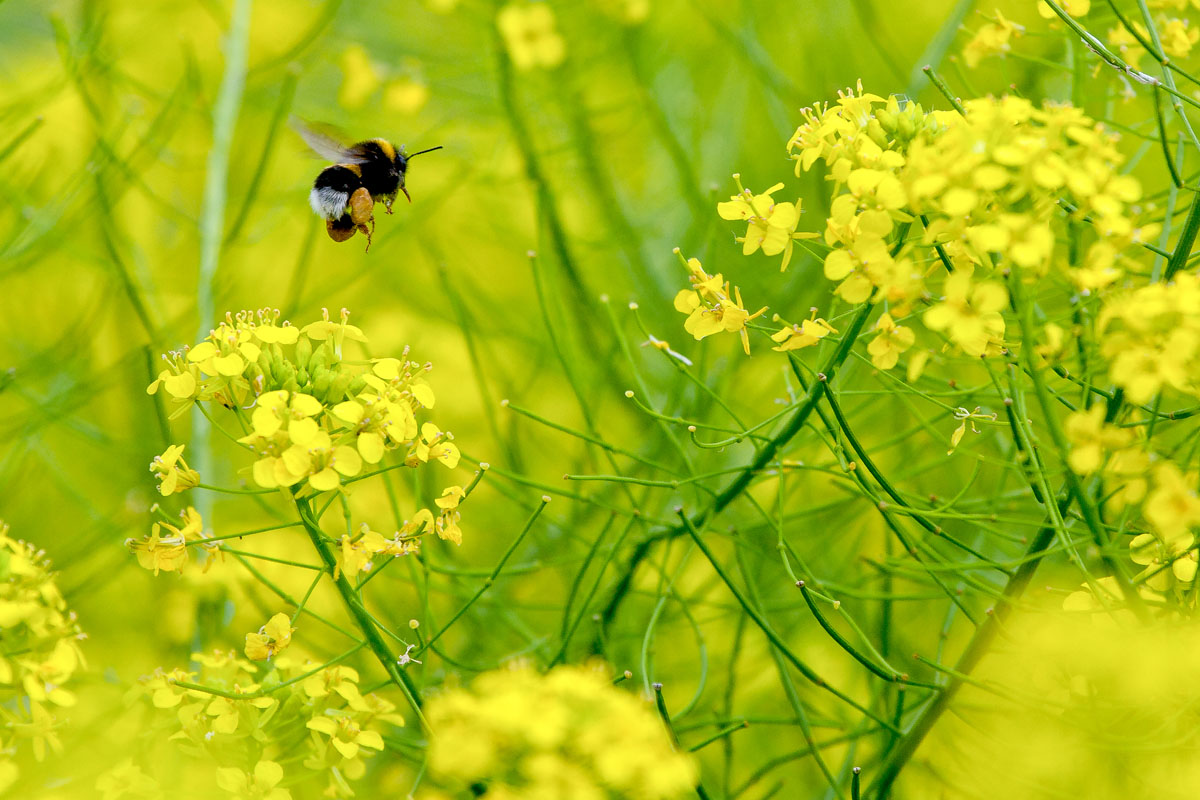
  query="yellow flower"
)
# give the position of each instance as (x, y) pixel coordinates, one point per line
(335, 332)
(893, 339)
(272, 638)
(436, 445)
(1075, 8)
(1166, 560)
(710, 308)
(854, 264)
(1172, 507)
(1151, 337)
(771, 226)
(991, 39)
(405, 95)
(263, 784)
(1178, 37)
(173, 471)
(970, 313)
(126, 780)
(1090, 436)
(530, 35)
(360, 79)
(345, 733)
(40, 730)
(165, 549)
(806, 334)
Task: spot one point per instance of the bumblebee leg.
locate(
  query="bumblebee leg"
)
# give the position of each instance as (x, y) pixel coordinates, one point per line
(367, 232)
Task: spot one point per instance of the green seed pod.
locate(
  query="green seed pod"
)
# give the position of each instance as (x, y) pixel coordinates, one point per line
(320, 358)
(320, 383)
(877, 133)
(886, 119)
(286, 373)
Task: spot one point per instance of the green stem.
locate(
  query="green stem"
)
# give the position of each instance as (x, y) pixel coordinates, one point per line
(358, 611)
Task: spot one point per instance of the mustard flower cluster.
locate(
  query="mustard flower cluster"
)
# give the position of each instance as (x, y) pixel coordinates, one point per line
(280, 724)
(314, 418)
(567, 733)
(39, 653)
(1151, 338)
(313, 421)
(992, 188)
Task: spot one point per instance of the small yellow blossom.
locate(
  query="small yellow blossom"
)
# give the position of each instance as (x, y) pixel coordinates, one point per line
(1178, 37)
(1167, 560)
(173, 472)
(893, 339)
(1075, 8)
(127, 780)
(806, 334)
(531, 35)
(710, 306)
(272, 638)
(1090, 437)
(262, 784)
(771, 226)
(405, 95)
(1172, 508)
(970, 313)
(993, 38)
(166, 548)
(345, 733)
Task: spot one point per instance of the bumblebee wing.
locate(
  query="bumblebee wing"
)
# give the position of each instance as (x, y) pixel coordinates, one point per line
(326, 145)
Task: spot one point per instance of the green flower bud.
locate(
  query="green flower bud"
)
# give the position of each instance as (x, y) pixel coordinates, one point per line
(303, 350)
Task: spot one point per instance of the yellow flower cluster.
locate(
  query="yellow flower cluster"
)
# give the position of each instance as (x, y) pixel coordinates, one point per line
(263, 715)
(567, 733)
(39, 653)
(992, 183)
(1151, 338)
(316, 419)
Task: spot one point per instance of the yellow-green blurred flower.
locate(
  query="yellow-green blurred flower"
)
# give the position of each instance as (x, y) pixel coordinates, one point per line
(531, 35)
(992, 38)
(1076, 8)
(262, 784)
(360, 79)
(588, 738)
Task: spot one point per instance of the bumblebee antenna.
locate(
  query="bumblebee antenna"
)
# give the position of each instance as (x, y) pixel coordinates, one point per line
(419, 152)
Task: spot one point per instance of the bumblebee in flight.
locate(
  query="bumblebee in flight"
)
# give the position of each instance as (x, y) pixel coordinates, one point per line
(363, 174)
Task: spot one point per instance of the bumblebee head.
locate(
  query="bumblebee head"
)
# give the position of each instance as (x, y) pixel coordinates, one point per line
(400, 160)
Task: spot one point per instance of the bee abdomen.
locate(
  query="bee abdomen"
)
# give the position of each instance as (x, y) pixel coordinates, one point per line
(331, 190)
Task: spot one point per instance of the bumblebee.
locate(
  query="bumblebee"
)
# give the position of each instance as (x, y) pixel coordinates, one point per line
(368, 172)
